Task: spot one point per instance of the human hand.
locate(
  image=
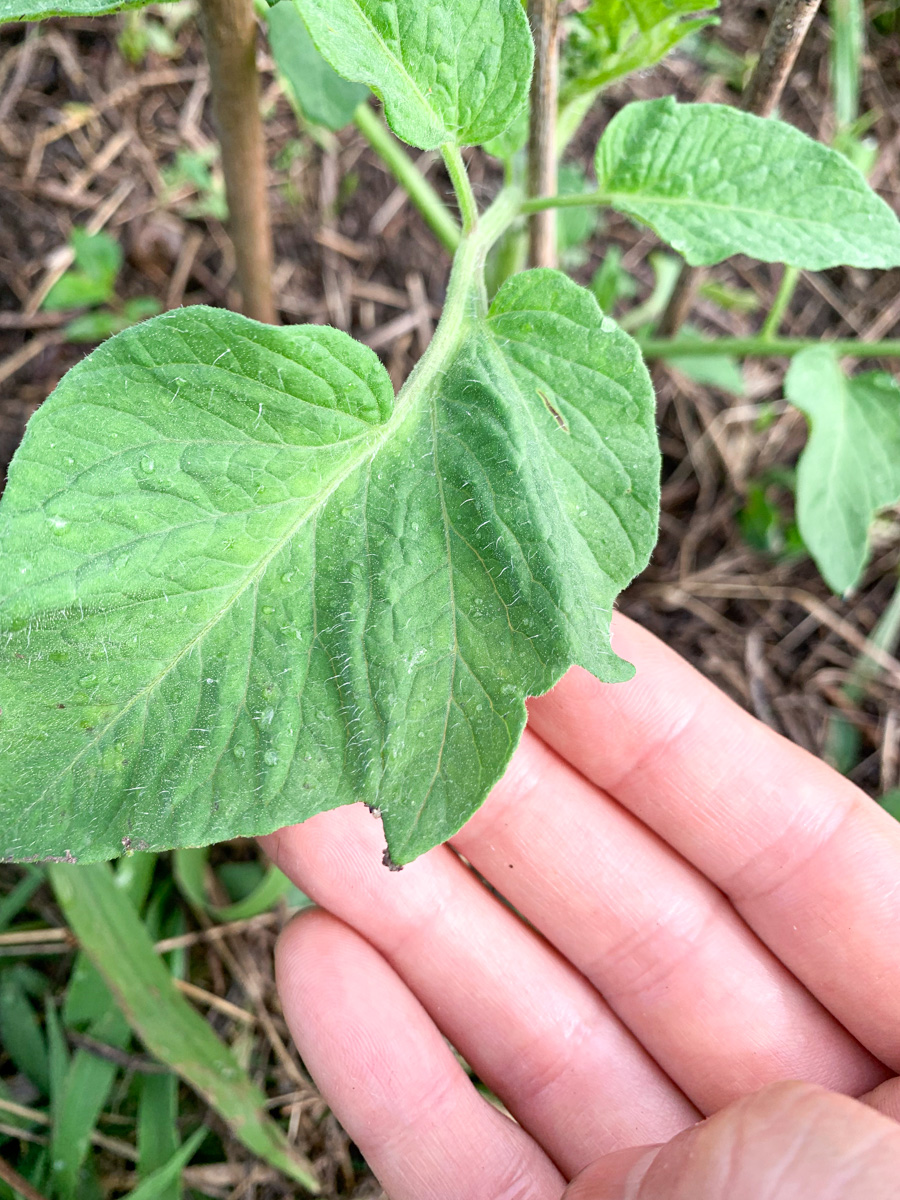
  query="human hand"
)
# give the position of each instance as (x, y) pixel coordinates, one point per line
(717, 911)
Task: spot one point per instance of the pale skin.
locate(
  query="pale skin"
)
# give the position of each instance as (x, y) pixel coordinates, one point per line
(711, 912)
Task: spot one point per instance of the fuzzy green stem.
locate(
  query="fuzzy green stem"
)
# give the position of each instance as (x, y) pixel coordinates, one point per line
(786, 288)
(761, 347)
(579, 200)
(459, 177)
(466, 296)
(422, 195)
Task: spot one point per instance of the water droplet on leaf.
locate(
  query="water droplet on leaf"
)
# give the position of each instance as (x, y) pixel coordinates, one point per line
(147, 464)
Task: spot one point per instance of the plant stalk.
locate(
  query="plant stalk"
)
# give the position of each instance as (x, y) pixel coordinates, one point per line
(789, 279)
(542, 158)
(787, 29)
(421, 193)
(789, 26)
(536, 204)
(459, 177)
(463, 302)
(229, 31)
(758, 346)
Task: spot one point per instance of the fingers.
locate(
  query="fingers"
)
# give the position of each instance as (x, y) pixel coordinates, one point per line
(885, 1099)
(809, 861)
(791, 1140)
(391, 1079)
(709, 1001)
(530, 1025)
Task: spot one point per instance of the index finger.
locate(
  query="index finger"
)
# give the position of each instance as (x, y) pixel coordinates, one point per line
(810, 862)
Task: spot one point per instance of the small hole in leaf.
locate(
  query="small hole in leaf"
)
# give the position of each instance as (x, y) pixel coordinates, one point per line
(554, 413)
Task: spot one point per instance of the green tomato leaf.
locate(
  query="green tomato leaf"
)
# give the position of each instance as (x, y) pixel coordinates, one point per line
(612, 38)
(455, 71)
(38, 10)
(850, 467)
(240, 585)
(713, 182)
(320, 94)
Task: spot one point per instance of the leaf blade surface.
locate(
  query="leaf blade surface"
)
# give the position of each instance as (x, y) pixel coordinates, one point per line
(454, 71)
(850, 467)
(260, 589)
(322, 95)
(713, 181)
(40, 10)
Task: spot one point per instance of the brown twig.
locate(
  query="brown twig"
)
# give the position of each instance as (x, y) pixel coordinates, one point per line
(787, 29)
(229, 30)
(18, 1183)
(789, 26)
(544, 18)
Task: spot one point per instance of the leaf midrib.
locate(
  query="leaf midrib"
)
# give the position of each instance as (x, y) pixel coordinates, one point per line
(401, 410)
(452, 329)
(616, 198)
(249, 579)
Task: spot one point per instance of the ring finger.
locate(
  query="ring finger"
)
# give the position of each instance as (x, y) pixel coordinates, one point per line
(531, 1026)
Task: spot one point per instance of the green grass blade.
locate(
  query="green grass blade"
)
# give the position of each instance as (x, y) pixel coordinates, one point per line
(57, 1050)
(13, 903)
(157, 1132)
(273, 885)
(112, 933)
(165, 1181)
(21, 1034)
(848, 40)
(190, 865)
(78, 1105)
(134, 874)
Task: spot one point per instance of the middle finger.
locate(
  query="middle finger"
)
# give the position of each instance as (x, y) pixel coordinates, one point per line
(710, 1002)
(530, 1025)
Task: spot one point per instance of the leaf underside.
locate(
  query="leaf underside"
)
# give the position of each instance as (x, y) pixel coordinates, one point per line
(39, 10)
(850, 468)
(454, 73)
(713, 181)
(241, 585)
(319, 92)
